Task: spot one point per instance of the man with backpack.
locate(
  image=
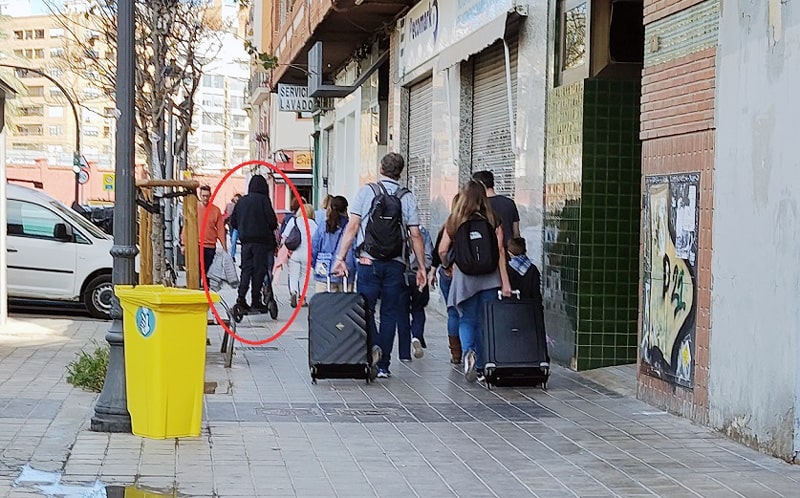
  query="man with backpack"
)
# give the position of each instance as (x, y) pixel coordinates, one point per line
(503, 206)
(379, 217)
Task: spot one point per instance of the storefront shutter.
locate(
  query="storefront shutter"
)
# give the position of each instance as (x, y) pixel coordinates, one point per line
(420, 146)
(491, 134)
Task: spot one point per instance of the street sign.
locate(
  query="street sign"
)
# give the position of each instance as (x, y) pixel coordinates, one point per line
(83, 177)
(294, 98)
(108, 181)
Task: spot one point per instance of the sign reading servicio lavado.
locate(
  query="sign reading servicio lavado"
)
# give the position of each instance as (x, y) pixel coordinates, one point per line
(294, 98)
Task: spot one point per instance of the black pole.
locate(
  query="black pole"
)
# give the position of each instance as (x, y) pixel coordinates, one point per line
(111, 411)
(76, 156)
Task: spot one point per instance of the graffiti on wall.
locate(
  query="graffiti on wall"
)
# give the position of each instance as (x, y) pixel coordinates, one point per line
(670, 228)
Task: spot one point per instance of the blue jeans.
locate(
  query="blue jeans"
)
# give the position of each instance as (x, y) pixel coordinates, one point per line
(384, 280)
(452, 313)
(234, 240)
(469, 324)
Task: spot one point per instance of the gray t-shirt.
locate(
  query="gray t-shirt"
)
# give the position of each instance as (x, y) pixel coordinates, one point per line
(363, 203)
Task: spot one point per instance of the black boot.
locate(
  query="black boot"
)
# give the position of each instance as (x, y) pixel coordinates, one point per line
(242, 303)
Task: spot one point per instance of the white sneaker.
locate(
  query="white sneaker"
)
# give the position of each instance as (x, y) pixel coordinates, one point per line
(470, 372)
(416, 345)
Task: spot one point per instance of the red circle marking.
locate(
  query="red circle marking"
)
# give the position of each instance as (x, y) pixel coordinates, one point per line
(202, 257)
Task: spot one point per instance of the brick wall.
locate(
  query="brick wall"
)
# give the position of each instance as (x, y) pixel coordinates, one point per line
(657, 9)
(678, 136)
(678, 96)
(687, 153)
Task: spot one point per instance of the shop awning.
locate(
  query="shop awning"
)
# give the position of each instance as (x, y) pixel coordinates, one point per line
(478, 40)
(301, 179)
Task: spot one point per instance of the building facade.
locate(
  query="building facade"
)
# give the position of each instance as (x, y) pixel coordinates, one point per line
(43, 124)
(647, 145)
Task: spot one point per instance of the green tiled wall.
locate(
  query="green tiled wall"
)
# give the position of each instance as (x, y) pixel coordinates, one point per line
(592, 228)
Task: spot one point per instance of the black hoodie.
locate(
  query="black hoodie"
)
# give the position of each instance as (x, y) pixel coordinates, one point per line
(253, 215)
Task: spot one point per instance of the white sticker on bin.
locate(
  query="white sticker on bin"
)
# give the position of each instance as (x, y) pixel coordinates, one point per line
(145, 321)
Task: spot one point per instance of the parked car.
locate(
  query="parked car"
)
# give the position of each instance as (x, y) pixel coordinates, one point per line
(55, 254)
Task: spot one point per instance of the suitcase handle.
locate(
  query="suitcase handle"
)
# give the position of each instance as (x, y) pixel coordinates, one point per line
(344, 281)
(514, 292)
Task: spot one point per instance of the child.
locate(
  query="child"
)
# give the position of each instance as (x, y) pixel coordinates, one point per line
(525, 278)
(418, 299)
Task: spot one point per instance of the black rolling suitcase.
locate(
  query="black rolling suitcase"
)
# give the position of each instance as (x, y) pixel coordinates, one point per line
(514, 344)
(339, 340)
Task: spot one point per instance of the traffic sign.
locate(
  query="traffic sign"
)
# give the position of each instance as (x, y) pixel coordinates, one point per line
(83, 177)
(108, 181)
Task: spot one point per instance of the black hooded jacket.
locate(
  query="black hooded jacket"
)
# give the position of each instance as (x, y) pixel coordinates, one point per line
(253, 215)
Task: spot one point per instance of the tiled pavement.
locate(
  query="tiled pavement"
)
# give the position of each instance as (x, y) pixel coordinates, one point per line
(425, 432)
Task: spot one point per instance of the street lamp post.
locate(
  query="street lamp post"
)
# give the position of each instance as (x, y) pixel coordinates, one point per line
(76, 156)
(111, 411)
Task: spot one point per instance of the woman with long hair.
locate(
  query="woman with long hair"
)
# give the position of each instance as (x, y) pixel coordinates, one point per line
(325, 246)
(298, 259)
(470, 292)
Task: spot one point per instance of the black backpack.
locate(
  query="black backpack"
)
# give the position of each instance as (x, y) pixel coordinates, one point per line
(475, 244)
(383, 236)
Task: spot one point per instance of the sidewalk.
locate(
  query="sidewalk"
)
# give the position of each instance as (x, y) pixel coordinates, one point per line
(425, 432)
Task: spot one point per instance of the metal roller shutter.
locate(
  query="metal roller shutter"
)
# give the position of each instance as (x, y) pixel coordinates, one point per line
(420, 146)
(491, 133)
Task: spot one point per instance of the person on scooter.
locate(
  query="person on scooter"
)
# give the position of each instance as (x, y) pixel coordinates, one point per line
(256, 222)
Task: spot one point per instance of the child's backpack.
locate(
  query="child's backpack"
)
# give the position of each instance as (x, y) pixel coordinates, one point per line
(475, 244)
(383, 237)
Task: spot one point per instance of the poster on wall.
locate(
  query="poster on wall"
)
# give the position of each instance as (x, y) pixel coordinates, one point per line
(669, 312)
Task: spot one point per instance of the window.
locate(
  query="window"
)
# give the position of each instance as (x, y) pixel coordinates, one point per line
(213, 81)
(30, 220)
(237, 102)
(574, 50)
(31, 111)
(55, 111)
(91, 92)
(31, 130)
(213, 101)
(29, 34)
(55, 72)
(91, 131)
(215, 138)
(18, 35)
(56, 130)
(106, 131)
(56, 32)
(109, 112)
(55, 92)
(92, 53)
(35, 91)
(239, 121)
(240, 139)
(212, 118)
(19, 53)
(56, 52)
(39, 34)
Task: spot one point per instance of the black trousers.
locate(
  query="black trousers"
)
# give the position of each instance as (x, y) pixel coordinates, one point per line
(208, 258)
(255, 263)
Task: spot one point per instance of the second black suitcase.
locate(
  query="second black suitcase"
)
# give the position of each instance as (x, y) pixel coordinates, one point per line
(514, 343)
(339, 339)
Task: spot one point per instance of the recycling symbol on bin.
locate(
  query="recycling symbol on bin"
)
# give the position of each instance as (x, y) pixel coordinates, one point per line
(145, 321)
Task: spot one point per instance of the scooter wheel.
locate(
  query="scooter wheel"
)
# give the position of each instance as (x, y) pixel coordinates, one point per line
(237, 313)
(273, 309)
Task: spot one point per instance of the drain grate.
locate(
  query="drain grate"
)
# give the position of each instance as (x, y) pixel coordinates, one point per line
(289, 412)
(365, 412)
(258, 348)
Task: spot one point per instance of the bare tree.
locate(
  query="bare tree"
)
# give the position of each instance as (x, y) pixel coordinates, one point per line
(172, 36)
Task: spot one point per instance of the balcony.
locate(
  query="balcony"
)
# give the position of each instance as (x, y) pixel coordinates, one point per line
(259, 88)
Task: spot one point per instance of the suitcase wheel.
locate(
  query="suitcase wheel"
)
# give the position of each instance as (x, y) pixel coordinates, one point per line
(313, 375)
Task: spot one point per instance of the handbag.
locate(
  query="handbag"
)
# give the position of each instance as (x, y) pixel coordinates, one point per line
(294, 239)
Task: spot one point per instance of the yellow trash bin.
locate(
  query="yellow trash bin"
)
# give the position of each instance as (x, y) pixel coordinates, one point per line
(165, 358)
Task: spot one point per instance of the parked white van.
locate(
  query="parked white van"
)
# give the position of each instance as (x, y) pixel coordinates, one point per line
(55, 254)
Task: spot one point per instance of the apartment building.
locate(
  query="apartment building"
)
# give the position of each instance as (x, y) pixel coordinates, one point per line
(44, 124)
